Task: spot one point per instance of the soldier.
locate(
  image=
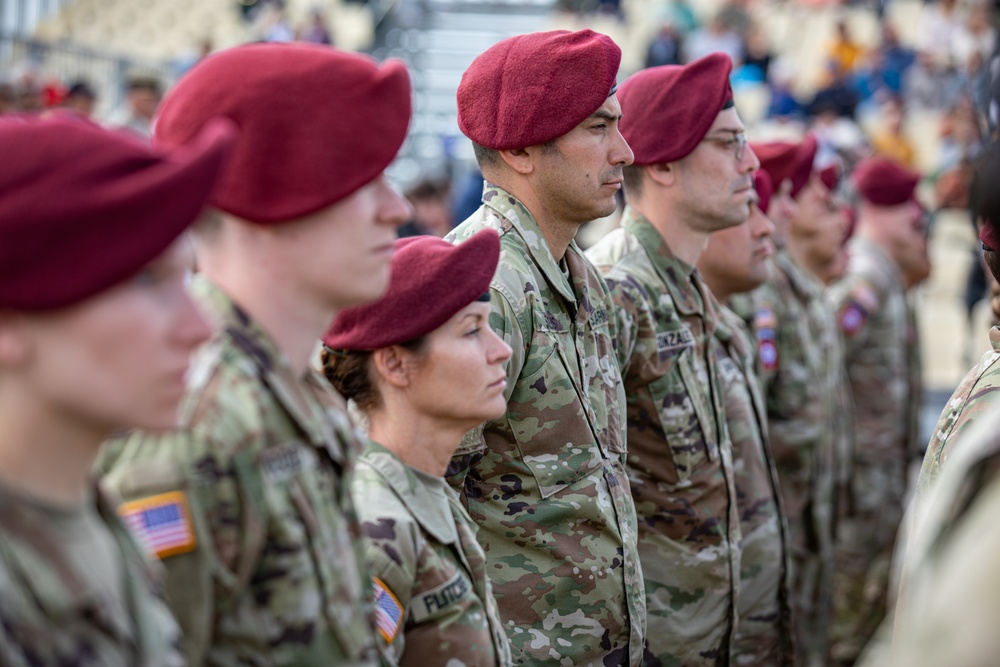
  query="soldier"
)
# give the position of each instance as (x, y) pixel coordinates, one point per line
(92, 270)
(686, 184)
(801, 374)
(546, 483)
(871, 309)
(424, 367)
(265, 564)
(737, 260)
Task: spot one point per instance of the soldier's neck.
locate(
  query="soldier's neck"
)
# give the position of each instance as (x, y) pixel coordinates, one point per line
(419, 441)
(685, 241)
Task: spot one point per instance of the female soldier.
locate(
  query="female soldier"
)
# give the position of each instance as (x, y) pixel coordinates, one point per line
(425, 368)
(95, 332)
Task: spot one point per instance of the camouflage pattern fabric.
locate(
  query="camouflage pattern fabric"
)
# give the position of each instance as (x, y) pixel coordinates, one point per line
(800, 366)
(434, 600)
(546, 483)
(679, 453)
(872, 313)
(52, 612)
(764, 634)
(274, 572)
(946, 613)
(977, 396)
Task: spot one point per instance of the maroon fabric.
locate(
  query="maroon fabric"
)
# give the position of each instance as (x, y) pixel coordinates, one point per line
(431, 281)
(668, 110)
(988, 236)
(883, 182)
(82, 208)
(830, 176)
(764, 187)
(316, 124)
(788, 160)
(534, 88)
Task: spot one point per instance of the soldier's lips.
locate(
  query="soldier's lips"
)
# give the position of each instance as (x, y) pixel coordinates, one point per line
(616, 184)
(499, 384)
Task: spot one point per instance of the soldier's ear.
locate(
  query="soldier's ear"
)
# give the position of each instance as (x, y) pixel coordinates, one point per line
(391, 367)
(519, 159)
(15, 341)
(662, 174)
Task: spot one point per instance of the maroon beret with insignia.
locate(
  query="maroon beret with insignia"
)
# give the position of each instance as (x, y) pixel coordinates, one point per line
(764, 187)
(668, 110)
(316, 124)
(788, 160)
(883, 182)
(431, 281)
(82, 208)
(534, 88)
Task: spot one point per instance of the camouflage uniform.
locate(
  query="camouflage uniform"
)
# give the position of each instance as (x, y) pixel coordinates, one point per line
(800, 366)
(947, 612)
(54, 610)
(679, 453)
(872, 313)
(433, 599)
(270, 570)
(546, 483)
(764, 634)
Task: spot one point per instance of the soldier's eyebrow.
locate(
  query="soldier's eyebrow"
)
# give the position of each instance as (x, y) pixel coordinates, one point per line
(728, 130)
(604, 115)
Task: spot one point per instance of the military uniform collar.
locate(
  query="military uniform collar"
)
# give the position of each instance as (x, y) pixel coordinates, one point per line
(682, 280)
(291, 390)
(425, 496)
(510, 208)
(802, 281)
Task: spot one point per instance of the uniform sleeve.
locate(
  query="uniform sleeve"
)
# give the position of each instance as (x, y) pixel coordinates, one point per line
(503, 321)
(181, 497)
(853, 300)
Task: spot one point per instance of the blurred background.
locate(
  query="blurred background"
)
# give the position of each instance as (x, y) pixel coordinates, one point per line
(909, 79)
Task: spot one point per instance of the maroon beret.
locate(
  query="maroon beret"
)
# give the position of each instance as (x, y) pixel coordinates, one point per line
(787, 160)
(988, 237)
(883, 182)
(765, 188)
(534, 88)
(830, 176)
(316, 124)
(668, 110)
(431, 281)
(82, 208)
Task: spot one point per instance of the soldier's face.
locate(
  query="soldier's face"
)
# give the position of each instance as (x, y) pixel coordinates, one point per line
(577, 177)
(459, 376)
(716, 178)
(783, 208)
(823, 232)
(118, 359)
(737, 258)
(340, 256)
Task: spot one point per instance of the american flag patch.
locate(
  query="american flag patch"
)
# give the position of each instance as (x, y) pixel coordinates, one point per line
(388, 611)
(161, 523)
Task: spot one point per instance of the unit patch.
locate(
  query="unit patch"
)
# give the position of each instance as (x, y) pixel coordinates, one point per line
(161, 523)
(388, 611)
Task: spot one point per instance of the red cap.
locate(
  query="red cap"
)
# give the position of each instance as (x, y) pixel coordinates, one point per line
(764, 187)
(316, 124)
(988, 236)
(82, 208)
(431, 281)
(785, 160)
(883, 182)
(830, 176)
(668, 110)
(534, 88)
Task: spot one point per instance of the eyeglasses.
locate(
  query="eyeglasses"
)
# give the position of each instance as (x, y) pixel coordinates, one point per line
(735, 142)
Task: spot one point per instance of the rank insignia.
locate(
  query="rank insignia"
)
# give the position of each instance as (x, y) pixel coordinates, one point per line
(161, 523)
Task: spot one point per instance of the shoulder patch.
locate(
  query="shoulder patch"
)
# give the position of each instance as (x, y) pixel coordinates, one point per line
(852, 318)
(765, 319)
(388, 611)
(767, 353)
(161, 523)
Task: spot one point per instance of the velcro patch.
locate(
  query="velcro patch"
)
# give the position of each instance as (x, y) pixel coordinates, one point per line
(388, 611)
(161, 523)
(672, 340)
(767, 353)
(852, 318)
(425, 605)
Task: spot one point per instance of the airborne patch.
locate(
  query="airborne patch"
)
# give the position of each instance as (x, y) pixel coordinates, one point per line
(852, 318)
(767, 354)
(161, 523)
(673, 340)
(388, 611)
